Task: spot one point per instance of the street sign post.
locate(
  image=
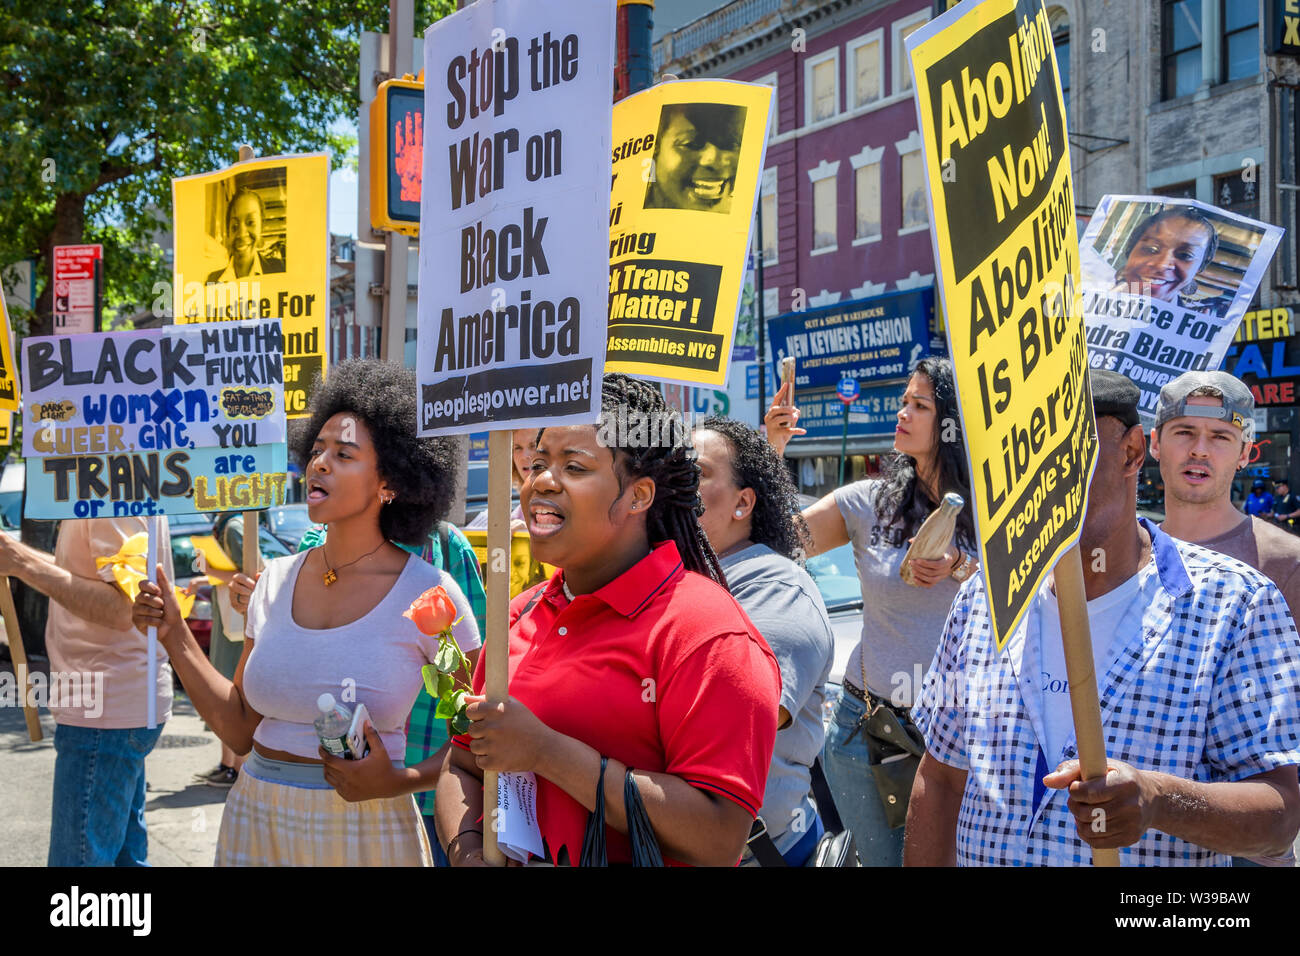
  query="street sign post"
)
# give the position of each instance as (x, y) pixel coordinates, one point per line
(76, 288)
(847, 392)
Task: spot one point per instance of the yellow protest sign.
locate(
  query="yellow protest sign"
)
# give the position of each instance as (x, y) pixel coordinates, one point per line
(524, 571)
(998, 169)
(687, 161)
(8, 372)
(252, 242)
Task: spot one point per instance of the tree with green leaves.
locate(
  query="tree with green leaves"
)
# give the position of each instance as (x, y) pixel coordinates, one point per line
(103, 103)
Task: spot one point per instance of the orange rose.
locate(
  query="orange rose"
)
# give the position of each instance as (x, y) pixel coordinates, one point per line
(433, 611)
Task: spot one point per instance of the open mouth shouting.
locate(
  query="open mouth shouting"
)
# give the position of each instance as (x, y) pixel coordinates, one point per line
(545, 518)
(316, 491)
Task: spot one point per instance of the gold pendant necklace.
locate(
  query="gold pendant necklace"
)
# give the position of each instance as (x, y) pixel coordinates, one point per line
(331, 574)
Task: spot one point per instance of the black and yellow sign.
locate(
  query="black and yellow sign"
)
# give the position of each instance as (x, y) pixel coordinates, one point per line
(687, 160)
(8, 371)
(998, 172)
(1282, 27)
(252, 242)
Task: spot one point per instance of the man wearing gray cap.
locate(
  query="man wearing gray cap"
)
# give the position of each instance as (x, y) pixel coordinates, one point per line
(1205, 425)
(1198, 678)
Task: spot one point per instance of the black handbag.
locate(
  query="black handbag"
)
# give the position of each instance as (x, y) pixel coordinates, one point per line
(835, 848)
(645, 848)
(894, 751)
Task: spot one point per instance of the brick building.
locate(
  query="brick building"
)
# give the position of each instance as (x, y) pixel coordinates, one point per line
(1181, 98)
(1171, 97)
(843, 212)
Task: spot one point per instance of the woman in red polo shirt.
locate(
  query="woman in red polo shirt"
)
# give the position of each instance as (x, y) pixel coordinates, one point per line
(634, 651)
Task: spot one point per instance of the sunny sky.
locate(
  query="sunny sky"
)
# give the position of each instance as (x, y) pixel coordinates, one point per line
(343, 202)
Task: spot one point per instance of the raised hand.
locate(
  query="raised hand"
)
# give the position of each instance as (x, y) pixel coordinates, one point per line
(781, 419)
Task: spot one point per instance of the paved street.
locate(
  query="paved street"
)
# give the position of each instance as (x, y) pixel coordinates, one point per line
(183, 816)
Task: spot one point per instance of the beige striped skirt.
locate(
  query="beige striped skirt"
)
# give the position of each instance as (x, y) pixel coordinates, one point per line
(268, 823)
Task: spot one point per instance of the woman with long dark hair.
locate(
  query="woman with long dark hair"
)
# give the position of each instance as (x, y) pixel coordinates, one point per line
(330, 621)
(752, 521)
(901, 623)
(632, 660)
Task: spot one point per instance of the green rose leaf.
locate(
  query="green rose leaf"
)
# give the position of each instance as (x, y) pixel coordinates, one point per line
(447, 659)
(445, 710)
(460, 724)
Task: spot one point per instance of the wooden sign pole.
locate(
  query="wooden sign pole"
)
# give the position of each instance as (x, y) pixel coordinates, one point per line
(1081, 673)
(496, 644)
(151, 636)
(19, 655)
(252, 558)
(252, 554)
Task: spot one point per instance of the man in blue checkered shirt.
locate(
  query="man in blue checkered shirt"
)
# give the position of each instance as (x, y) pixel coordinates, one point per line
(1199, 665)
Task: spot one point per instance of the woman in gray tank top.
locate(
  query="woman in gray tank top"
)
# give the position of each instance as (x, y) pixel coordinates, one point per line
(872, 749)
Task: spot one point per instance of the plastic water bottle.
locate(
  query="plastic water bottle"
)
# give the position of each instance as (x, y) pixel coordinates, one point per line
(332, 726)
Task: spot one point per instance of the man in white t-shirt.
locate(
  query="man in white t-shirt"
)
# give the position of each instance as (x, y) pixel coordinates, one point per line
(98, 691)
(1198, 665)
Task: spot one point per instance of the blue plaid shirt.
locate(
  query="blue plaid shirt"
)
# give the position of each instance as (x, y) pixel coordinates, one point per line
(1201, 683)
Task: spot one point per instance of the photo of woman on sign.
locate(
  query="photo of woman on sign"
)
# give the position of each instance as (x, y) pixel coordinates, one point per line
(1187, 254)
(250, 224)
(696, 154)
(1167, 251)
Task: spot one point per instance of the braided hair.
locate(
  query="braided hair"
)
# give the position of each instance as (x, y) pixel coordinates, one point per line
(775, 520)
(650, 440)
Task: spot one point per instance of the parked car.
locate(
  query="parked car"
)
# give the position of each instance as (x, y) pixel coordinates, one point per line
(183, 562)
(12, 480)
(476, 492)
(184, 559)
(288, 523)
(836, 575)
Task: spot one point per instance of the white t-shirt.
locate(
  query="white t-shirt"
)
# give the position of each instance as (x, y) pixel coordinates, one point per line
(375, 660)
(1104, 616)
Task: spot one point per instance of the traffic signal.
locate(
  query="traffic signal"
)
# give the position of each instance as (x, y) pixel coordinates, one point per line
(397, 155)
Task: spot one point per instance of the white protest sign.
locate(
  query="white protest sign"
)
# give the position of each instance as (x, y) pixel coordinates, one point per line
(181, 419)
(514, 231)
(1165, 284)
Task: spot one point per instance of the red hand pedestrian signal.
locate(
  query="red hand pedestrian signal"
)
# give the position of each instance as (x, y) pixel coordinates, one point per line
(408, 154)
(397, 155)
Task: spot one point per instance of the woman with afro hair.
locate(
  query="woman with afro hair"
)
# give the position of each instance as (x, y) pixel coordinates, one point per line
(750, 517)
(633, 661)
(330, 621)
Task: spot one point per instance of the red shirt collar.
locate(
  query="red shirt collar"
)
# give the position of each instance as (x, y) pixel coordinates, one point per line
(634, 589)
